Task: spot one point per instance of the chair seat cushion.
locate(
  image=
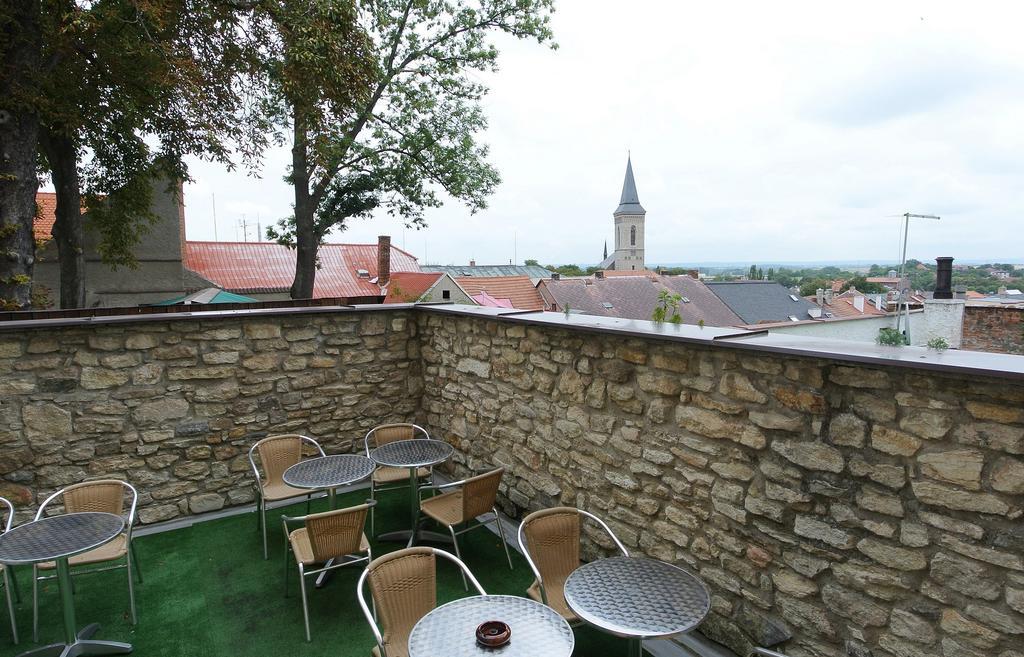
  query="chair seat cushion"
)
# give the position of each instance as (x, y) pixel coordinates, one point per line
(556, 601)
(445, 508)
(385, 474)
(303, 548)
(281, 491)
(115, 549)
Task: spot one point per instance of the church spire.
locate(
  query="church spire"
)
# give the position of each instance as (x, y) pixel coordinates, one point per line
(605, 250)
(629, 203)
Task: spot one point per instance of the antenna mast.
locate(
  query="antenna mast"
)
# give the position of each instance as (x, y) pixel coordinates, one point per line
(903, 300)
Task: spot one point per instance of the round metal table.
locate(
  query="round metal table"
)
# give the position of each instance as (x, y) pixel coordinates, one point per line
(638, 598)
(450, 630)
(57, 539)
(328, 472)
(413, 454)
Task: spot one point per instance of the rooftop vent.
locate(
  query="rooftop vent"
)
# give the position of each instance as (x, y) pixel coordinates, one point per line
(793, 318)
(829, 315)
(794, 297)
(814, 312)
(362, 273)
(607, 305)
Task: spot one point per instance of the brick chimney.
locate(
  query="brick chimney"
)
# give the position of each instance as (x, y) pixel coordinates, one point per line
(472, 263)
(599, 274)
(383, 260)
(180, 201)
(943, 278)
(555, 276)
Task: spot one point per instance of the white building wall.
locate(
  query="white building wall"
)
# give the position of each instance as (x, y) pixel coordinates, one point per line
(857, 330)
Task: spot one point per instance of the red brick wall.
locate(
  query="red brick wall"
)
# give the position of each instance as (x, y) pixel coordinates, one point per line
(994, 329)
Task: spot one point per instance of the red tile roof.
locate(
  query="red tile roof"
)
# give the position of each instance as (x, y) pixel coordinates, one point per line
(266, 267)
(518, 289)
(46, 214)
(842, 306)
(409, 286)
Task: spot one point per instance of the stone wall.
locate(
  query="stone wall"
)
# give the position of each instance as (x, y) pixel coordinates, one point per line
(859, 510)
(174, 405)
(993, 327)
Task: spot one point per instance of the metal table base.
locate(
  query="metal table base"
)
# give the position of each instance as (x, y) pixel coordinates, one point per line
(411, 536)
(80, 643)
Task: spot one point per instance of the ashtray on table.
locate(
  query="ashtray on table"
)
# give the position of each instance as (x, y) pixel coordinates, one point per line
(493, 634)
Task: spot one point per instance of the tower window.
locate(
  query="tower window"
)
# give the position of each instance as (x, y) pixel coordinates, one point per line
(632, 236)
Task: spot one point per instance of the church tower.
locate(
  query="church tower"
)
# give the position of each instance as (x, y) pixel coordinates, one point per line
(629, 227)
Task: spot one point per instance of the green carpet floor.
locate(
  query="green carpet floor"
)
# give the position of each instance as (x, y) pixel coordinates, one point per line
(208, 592)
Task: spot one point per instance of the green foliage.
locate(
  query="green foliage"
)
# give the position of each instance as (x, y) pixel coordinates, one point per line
(667, 307)
(810, 288)
(891, 337)
(531, 263)
(862, 285)
(384, 100)
(572, 270)
(939, 344)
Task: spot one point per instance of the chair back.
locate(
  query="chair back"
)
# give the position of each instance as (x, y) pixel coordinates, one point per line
(404, 589)
(101, 495)
(553, 545)
(5, 504)
(480, 492)
(389, 433)
(336, 533)
(277, 454)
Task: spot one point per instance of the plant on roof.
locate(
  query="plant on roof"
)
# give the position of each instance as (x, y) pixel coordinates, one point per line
(891, 337)
(667, 307)
(939, 344)
(381, 102)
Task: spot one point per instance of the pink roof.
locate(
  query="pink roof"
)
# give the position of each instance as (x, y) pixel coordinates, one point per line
(266, 267)
(485, 299)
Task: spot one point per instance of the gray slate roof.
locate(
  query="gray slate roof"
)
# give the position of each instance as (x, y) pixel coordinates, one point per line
(635, 297)
(761, 301)
(490, 271)
(629, 203)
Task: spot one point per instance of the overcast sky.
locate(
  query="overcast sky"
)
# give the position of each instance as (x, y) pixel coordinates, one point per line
(760, 131)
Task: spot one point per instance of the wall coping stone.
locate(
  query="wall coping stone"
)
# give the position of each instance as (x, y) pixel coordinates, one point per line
(1004, 366)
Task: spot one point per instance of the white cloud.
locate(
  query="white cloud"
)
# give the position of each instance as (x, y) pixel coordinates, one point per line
(759, 131)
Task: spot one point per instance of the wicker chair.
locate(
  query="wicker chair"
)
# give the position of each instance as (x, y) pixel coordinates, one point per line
(384, 475)
(474, 497)
(277, 454)
(103, 495)
(8, 573)
(325, 540)
(550, 541)
(403, 586)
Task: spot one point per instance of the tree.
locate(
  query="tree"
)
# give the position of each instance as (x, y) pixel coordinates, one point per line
(810, 288)
(384, 108)
(531, 263)
(862, 285)
(115, 73)
(20, 54)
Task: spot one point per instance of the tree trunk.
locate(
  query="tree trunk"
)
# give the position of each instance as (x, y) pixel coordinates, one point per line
(68, 231)
(19, 130)
(305, 238)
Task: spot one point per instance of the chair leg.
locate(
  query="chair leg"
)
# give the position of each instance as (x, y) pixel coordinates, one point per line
(455, 542)
(10, 603)
(263, 527)
(309, 501)
(135, 561)
(131, 587)
(287, 551)
(35, 604)
(305, 604)
(501, 533)
(373, 491)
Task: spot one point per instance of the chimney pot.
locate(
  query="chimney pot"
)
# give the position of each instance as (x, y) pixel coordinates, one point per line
(599, 274)
(819, 296)
(383, 260)
(472, 263)
(943, 278)
(828, 296)
(556, 276)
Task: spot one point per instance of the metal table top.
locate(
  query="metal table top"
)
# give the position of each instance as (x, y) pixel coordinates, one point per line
(328, 471)
(414, 453)
(637, 597)
(57, 537)
(450, 630)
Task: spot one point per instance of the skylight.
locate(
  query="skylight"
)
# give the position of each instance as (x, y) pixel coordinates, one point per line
(606, 304)
(794, 297)
(793, 318)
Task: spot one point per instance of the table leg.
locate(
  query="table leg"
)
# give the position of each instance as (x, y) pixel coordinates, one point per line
(636, 648)
(414, 533)
(324, 577)
(80, 643)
